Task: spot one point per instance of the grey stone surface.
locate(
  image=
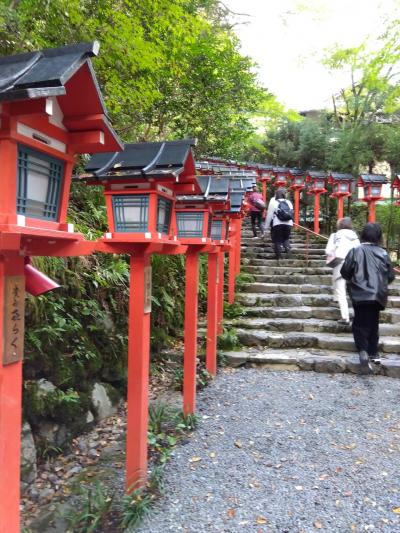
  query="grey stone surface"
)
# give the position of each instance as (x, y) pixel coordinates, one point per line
(102, 404)
(236, 359)
(391, 368)
(28, 455)
(330, 364)
(286, 452)
(52, 433)
(44, 387)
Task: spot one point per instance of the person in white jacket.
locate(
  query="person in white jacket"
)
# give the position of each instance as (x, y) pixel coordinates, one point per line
(280, 229)
(339, 244)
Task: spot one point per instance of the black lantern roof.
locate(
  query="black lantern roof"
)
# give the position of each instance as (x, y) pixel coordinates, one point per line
(296, 172)
(281, 170)
(373, 178)
(213, 188)
(152, 159)
(316, 173)
(236, 198)
(242, 184)
(337, 176)
(211, 185)
(43, 73)
(266, 167)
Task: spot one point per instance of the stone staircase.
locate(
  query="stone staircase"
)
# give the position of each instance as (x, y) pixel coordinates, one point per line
(290, 317)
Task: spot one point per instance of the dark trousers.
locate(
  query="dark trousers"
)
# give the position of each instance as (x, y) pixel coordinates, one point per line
(366, 327)
(256, 219)
(280, 235)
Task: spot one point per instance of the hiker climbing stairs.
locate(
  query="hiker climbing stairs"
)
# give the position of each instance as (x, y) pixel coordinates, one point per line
(290, 317)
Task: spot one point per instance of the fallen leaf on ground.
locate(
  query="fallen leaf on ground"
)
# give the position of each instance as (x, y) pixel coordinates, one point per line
(318, 524)
(238, 443)
(212, 454)
(194, 459)
(396, 510)
(311, 396)
(261, 520)
(231, 513)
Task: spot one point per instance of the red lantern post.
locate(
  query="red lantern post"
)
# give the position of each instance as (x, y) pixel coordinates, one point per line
(51, 110)
(281, 175)
(236, 214)
(317, 180)
(341, 189)
(396, 189)
(140, 186)
(297, 178)
(372, 186)
(265, 176)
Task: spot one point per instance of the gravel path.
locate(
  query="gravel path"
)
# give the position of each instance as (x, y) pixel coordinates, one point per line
(287, 452)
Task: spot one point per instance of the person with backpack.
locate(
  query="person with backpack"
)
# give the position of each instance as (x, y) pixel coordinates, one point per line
(368, 271)
(257, 207)
(280, 219)
(339, 244)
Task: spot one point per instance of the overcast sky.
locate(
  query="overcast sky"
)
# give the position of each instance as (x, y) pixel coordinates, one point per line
(287, 39)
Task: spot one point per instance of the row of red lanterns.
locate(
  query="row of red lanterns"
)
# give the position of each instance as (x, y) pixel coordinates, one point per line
(51, 111)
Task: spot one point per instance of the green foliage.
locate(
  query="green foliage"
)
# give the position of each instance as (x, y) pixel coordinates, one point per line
(135, 507)
(243, 279)
(234, 310)
(94, 505)
(203, 377)
(228, 340)
(168, 68)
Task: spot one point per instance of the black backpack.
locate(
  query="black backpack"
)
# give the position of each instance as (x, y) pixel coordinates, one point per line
(284, 212)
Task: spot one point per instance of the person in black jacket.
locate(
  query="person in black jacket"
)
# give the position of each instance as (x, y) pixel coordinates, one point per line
(368, 271)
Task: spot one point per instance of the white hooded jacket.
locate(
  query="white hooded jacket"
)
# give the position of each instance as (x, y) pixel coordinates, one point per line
(341, 242)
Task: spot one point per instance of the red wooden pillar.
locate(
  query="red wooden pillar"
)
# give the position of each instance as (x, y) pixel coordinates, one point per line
(296, 205)
(190, 352)
(212, 311)
(232, 271)
(238, 244)
(371, 211)
(221, 260)
(316, 212)
(138, 371)
(264, 191)
(340, 207)
(11, 268)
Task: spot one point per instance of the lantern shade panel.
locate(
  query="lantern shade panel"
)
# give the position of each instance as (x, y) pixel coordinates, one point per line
(131, 213)
(39, 184)
(164, 210)
(190, 224)
(216, 229)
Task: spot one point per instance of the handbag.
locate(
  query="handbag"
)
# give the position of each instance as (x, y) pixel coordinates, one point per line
(332, 261)
(332, 258)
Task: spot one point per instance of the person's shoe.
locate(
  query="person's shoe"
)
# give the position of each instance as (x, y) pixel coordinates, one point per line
(375, 359)
(365, 364)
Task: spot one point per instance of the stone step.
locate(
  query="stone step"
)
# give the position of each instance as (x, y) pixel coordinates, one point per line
(318, 360)
(294, 251)
(285, 262)
(288, 270)
(295, 300)
(299, 287)
(390, 315)
(310, 325)
(287, 288)
(326, 341)
(283, 300)
(249, 244)
(293, 278)
(293, 256)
